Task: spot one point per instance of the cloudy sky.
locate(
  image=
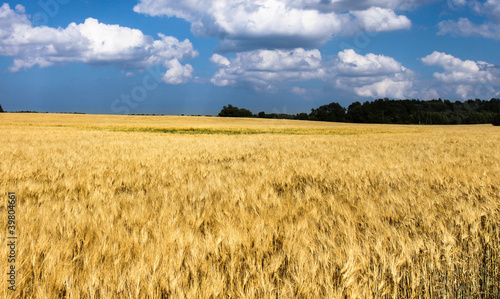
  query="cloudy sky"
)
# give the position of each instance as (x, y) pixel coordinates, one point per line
(283, 56)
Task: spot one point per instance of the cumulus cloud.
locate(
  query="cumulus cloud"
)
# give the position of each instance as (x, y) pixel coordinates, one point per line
(352, 64)
(344, 5)
(465, 78)
(464, 27)
(285, 24)
(91, 42)
(177, 73)
(459, 71)
(366, 75)
(372, 75)
(265, 69)
(380, 19)
(490, 8)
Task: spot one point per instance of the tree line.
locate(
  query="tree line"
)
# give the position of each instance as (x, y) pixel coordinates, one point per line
(386, 111)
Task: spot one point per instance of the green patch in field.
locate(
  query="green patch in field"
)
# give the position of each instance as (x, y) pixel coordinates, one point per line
(246, 131)
(190, 131)
(230, 131)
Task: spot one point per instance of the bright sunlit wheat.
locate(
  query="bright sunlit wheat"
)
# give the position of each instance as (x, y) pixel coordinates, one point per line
(184, 207)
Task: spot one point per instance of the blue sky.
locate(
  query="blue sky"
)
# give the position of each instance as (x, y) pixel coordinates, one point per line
(283, 56)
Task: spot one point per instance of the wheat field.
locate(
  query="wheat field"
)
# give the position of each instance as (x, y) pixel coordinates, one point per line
(201, 207)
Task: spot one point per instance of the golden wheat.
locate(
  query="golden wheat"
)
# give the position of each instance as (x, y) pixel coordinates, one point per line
(185, 207)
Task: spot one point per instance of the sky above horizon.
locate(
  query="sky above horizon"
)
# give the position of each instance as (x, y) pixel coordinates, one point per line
(281, 56)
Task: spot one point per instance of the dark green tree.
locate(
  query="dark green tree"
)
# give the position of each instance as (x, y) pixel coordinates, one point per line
(330, 112)
(232, 111)
(302, 116)
(355, 113)
(496, 120)
(1, 109)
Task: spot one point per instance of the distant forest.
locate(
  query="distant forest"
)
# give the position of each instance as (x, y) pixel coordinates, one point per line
(386, 111)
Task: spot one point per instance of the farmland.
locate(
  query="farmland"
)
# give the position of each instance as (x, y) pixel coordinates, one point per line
(200, 207)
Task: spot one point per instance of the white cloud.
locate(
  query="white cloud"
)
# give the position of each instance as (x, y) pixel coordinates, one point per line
(220, 60)
(177, 73)
(350, 63)
(457, 3)
(255, 24)
(465, 78)
(385, 88)
(381, 19)
(372, 75)
(368, 76)
(91, 42)
(344, 5)
(490, 8)
(459, 71)
(265, 69)
(464, 27)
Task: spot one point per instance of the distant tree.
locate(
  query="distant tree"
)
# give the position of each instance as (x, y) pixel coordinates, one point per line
(1, 109)
(434, 112)
(496, 120)
(330, 112)
(232, 111)
(302, 116)
(355, 112)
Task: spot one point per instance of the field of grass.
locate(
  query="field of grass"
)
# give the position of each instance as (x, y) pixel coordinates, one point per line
(200, 207)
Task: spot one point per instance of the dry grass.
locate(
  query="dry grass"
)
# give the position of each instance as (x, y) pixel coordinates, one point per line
(138, 207)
